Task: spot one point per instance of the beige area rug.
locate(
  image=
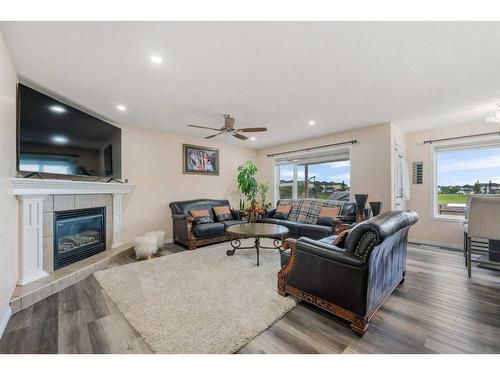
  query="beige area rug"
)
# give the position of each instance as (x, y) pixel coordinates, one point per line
(199, 301)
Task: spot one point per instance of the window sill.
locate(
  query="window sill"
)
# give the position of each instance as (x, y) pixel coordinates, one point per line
(456, 219)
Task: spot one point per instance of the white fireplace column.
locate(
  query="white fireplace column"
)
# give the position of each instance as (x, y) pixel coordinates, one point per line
(31, 239)
(117, 220)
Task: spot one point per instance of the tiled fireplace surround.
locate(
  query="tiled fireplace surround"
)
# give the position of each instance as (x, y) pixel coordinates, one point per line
(71, 202)
(38, 200)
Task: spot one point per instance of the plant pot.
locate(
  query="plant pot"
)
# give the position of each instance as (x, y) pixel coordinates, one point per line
(361, 202)
(376, 207)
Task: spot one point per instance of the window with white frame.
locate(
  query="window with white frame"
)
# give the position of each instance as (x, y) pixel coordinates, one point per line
(314, 177)
(285, 180)
(462, 171)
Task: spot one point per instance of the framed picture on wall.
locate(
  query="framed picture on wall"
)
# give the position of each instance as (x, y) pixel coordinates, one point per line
(200, 160)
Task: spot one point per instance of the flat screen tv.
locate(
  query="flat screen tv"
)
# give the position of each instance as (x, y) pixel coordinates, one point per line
(56, 138)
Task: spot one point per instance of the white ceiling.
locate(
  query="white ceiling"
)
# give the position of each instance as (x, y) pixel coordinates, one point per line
(343, 75)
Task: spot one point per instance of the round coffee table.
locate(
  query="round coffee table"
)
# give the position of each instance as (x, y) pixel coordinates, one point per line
(257, 231)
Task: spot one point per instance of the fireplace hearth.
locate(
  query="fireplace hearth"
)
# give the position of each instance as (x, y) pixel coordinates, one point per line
(78, 234)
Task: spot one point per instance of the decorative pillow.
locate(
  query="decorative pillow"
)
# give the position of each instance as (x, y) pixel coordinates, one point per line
(201, 216)
(196, 213)
(223, 213)
(282, 212)
(340, 239)
(327, 214)
(202, 220)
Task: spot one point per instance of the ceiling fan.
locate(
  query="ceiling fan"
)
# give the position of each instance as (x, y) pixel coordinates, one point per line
(228, 128)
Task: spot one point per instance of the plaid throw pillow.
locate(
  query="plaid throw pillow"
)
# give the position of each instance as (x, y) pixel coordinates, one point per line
(309, 210)
(306, 210)
(294, 212)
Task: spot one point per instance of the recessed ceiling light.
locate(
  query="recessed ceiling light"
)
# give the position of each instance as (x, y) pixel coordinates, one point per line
(121, 107)
(156, 59)
(59, 139)
(57, 108)
(311, 123)
(253, 138)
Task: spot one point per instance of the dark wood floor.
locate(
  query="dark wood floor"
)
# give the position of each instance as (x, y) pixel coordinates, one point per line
(437, 310)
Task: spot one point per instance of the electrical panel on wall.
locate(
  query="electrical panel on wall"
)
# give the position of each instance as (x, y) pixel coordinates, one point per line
(418, 169)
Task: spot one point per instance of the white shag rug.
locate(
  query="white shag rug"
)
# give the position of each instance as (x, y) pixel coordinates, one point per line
(199, 301)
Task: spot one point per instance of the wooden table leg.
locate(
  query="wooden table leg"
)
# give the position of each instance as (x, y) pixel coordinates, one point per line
(257, 247)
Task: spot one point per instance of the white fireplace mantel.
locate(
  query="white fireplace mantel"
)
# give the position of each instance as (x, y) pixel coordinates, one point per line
(32, 186)
(31, 193)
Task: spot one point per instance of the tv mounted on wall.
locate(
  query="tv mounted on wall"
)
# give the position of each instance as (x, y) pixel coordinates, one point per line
(57, 138)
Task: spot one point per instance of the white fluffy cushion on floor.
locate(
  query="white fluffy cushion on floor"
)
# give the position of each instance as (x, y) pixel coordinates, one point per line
(160, 237)
(200, 301)
(145, 246)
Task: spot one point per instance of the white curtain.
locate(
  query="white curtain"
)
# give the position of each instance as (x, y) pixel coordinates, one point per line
(405, 177)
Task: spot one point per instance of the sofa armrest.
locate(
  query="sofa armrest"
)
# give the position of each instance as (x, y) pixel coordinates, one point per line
(348, 219)
(179, 216)
(330, 252)
(182, 224)
(269, 212)
(236, 214)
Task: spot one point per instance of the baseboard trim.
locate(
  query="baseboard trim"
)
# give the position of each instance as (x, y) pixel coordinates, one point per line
(5, 320)
(436, 244)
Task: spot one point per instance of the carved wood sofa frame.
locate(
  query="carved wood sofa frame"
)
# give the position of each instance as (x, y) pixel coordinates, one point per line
(191, 242)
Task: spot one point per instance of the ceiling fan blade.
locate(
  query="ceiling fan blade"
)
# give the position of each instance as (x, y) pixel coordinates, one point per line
(250, 130)
(213, 135)
(240, 136)
(202, 127)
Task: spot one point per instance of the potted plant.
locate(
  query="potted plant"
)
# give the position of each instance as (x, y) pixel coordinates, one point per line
(247, 184)
(263, 188)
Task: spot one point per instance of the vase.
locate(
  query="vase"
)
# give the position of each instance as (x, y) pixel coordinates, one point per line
(376, 207)
(361, 201)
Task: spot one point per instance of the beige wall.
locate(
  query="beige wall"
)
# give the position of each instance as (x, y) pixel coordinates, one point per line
(370, 160)
(428, 229)
(8, 206)
(153, 161)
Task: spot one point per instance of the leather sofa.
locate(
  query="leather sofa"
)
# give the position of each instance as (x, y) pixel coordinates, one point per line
(353, 279)
(194, 235)
(308, 209)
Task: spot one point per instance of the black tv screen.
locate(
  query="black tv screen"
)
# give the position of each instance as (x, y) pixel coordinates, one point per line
(56, 138)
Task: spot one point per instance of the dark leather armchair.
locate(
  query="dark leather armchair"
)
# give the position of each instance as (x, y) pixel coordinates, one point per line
(192, 236)
(354, 280)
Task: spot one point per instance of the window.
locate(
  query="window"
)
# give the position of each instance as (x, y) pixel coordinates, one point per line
(285, 185)
(312, 178)
(324, 179)
(461, 172)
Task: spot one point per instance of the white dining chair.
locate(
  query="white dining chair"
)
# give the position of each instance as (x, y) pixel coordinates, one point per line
(483, 221)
